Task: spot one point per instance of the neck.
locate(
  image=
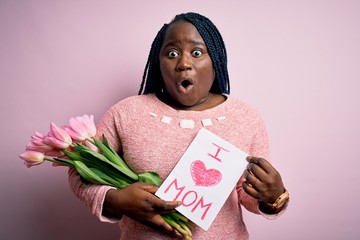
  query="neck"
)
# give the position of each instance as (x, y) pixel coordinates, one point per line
(212, 100)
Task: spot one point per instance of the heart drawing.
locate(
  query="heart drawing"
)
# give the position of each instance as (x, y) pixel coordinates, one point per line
(202, 176)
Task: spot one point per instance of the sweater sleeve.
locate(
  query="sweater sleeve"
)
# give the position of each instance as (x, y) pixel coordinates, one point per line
(90, 195)
(259, 148)
(93, 195)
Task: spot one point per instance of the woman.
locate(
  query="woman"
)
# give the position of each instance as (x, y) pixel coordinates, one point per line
(185, 82)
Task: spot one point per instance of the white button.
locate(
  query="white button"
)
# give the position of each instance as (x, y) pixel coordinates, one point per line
(153, 114)
(166, 119)
(187, 123)
(206, 122)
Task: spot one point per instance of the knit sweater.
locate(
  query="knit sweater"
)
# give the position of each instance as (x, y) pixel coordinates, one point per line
(153, 136)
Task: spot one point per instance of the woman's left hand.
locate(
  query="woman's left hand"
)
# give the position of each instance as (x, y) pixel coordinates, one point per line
(262, 180)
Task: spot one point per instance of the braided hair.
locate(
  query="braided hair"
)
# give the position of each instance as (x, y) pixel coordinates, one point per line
(152, 80)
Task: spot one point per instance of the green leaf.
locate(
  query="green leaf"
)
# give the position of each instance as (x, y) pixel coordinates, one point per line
(110, 153)
(106, 143)
(99, 158)
(150, 177)
(90, 154)
(62, 161)
(116, 160)
(72, 155)
(110, 170)
(96, 160)
(115, 182)
(87, 174)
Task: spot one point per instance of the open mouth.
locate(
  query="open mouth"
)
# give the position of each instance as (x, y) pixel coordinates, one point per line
(185, 86)
(186, 83)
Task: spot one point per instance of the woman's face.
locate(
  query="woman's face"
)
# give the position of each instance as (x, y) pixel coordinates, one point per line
(186, 66)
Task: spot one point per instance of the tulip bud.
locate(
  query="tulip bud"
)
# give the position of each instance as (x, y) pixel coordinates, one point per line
(37, 137)
(39, 147)
(75, 135)
(84, 126)
(58, 137)
(91, 146)
(32, 158)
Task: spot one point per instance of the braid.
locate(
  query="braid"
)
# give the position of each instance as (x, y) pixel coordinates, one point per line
(152, 79)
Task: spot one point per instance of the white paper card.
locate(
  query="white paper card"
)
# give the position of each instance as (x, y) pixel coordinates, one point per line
(204, 177)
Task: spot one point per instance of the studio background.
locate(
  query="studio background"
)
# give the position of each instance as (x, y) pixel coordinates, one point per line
(297, 62)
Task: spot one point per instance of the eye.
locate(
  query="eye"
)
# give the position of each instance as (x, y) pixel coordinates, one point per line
(196, 53)
(172, 54)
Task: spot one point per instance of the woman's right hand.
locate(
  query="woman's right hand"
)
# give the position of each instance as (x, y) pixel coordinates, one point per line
(138, 202)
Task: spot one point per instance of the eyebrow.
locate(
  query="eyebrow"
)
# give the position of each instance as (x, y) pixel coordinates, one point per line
(173, 43)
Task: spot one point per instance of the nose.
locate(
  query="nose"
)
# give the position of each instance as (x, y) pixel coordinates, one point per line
(184, 63)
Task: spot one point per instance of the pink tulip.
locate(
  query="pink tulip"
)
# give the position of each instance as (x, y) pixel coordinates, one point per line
(58, 137)
(74, 135)
(54, 153)
(38, 146)
(82, 127)
(37, 143)
(37, 137)
(32, 158)
(91, 146)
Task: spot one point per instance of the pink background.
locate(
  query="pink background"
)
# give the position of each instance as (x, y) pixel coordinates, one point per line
(296, 61)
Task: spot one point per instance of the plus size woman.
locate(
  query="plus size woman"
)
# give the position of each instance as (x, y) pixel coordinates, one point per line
(185, 85)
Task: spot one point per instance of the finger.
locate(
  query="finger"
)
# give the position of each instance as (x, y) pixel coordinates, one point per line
(257, 171)
(252, 180)
(155, 203)
(149, 188)
(261, 162)
(250, 190)
(163, 206)
(159, 223)
(156, 221)
(164, 225)
(267, 170)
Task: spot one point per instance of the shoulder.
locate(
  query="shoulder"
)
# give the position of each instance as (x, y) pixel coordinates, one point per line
(134, 101)
(133, 104)
(240, 107)
(126, 110)
(132, 107)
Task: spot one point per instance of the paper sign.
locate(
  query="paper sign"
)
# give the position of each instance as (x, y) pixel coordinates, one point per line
(204, 177)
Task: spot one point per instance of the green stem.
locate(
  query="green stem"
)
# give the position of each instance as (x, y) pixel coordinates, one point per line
(61, 161)
(175, 225)
(90, 141)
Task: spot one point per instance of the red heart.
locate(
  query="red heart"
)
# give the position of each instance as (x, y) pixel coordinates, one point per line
(203, 177)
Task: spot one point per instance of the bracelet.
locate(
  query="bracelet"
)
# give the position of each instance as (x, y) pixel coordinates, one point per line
(280, 201)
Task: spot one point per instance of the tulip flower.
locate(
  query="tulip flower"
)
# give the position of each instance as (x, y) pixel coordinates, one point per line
(54, 153)
(37, 143)
(82, 128)
(91, 146)
(58, 137)
(96, 161)
(37, 137)
(32, 158)
(38, 146)
(74, 135)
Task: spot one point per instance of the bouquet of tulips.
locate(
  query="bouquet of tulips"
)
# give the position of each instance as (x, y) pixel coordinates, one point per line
(96, 161)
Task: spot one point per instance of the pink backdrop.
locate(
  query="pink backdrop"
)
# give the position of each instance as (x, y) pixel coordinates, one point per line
(296, 61)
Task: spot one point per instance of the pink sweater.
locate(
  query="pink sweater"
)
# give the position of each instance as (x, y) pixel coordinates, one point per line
(153, 137)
